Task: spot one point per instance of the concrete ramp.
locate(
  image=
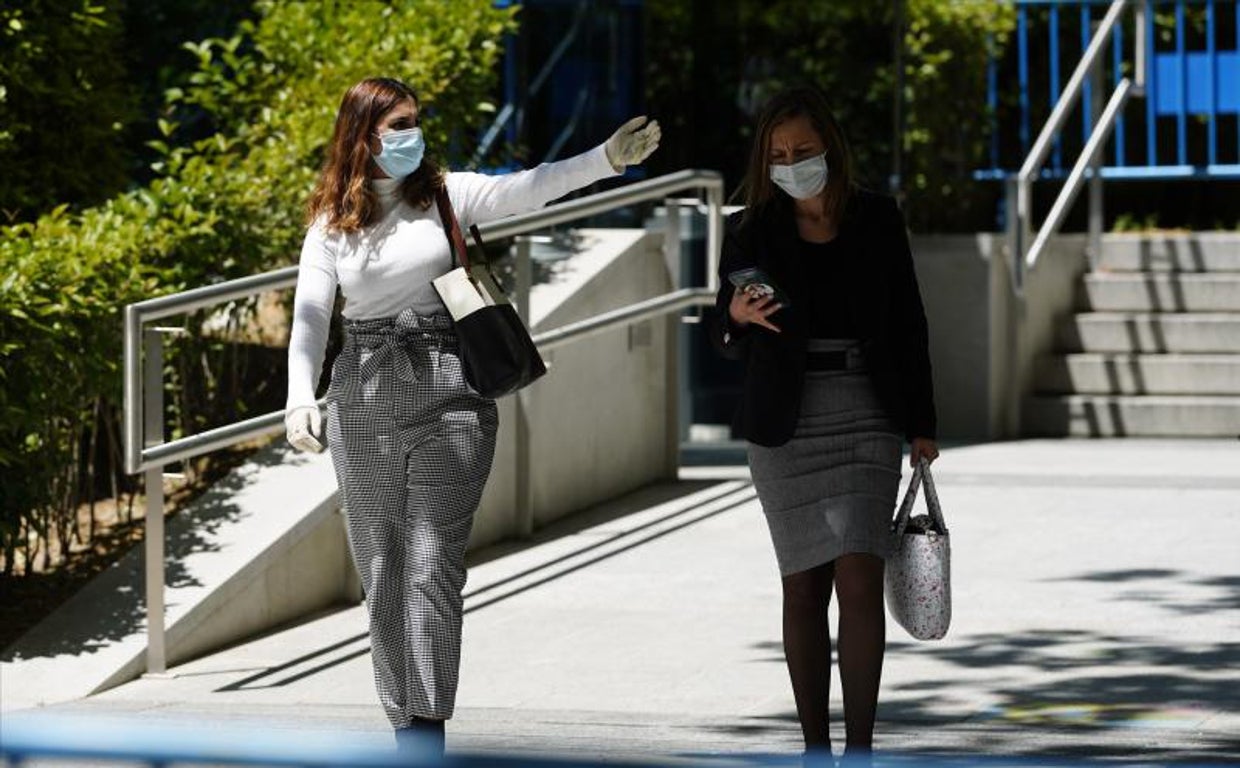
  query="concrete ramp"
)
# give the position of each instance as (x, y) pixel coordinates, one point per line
(262, 548)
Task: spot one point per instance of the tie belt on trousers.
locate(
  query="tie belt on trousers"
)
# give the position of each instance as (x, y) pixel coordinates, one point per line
(406, 341)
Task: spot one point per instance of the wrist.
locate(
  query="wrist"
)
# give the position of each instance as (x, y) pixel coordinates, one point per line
(609, 156)
(294, 407)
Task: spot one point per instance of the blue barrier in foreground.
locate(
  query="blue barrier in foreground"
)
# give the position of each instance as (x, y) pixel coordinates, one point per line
(159, 741)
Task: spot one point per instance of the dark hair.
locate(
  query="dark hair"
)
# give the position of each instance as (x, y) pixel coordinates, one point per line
(343, 194)
(757, 188)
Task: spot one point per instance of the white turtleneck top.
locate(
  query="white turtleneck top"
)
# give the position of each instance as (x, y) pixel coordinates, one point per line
(388, 267)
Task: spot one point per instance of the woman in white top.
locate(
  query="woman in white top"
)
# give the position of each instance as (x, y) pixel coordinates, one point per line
(410, 441)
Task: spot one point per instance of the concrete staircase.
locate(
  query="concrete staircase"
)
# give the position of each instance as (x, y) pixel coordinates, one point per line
(1155, 349)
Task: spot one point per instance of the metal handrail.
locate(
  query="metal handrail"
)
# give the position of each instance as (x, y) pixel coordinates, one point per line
(649, 189)
(1076, 179)
(139, 458)
(1027, 255)
(269, 423)
(633, 313)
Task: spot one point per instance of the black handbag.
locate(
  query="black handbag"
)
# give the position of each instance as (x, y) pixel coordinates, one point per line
(497, 354)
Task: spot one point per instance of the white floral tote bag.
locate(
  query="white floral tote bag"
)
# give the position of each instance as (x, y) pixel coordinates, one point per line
(918, 575)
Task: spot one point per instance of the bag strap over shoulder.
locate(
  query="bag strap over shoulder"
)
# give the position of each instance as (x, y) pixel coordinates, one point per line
(452, 228)
(920, 474)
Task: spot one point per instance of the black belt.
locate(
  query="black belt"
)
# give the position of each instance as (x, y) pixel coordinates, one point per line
(831, 360)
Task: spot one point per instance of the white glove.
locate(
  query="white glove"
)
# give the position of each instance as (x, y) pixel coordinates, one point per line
(301, 425)
(632, 143)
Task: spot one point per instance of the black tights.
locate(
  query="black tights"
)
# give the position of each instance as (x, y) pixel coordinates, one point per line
(858, 582)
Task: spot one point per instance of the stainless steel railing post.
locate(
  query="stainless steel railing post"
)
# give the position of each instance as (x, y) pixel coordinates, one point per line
(132, 371)
(524, 507)
(676, 389)
(671, 241)
(522, 246)
(153, 432)
(714, 233)
(1014, 251)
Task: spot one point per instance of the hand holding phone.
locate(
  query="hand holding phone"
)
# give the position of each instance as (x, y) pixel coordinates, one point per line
(758, 283)
(755, 299)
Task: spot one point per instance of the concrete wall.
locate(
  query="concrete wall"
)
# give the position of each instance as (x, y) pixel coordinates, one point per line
(598, 421)
(954, 273)
(1050, 294)
(985, 336)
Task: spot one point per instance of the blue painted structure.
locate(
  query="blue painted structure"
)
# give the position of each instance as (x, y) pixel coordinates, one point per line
(1190, 126)
(570, 81)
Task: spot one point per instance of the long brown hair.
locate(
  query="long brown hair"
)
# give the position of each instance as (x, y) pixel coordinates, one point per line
(343, 195)
(758, 189)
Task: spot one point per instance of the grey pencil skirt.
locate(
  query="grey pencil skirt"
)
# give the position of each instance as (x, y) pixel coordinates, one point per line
(831, 489)
(412, 446)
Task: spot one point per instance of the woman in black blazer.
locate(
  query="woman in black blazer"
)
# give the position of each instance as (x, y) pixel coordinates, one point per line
(828, 320)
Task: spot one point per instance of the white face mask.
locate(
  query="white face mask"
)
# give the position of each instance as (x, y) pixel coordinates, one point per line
(802, 180)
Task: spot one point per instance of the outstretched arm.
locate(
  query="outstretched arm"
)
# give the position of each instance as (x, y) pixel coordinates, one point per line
(479, 197)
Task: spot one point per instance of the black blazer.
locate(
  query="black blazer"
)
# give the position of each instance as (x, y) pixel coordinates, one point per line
(885, 304)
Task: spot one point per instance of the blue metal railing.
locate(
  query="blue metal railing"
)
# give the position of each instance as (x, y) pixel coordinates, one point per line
(1192, 78)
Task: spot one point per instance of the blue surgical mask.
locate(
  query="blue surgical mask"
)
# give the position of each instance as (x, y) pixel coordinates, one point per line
(401, 153)
(802, 180)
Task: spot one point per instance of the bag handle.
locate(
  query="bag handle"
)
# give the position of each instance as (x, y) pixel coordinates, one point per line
(920, 473)
(452, 228)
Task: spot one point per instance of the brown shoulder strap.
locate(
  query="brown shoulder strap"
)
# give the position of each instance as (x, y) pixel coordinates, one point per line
(452, 228)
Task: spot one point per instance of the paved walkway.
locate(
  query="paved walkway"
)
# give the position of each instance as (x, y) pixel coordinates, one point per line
(1097, 614)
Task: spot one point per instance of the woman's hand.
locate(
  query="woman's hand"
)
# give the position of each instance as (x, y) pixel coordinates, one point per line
(747, 307)
(632, 143)
(301, 426)
(922, 446)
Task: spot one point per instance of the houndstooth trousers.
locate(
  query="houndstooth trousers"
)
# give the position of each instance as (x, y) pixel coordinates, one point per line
(412, 446)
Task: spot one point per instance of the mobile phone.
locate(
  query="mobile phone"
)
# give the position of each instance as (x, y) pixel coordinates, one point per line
(757, 282)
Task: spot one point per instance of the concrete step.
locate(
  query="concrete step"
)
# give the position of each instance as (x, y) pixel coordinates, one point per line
(1150, 332)
(1125, 374)
(1154, 292)
(1171, 252)
(1132, 416)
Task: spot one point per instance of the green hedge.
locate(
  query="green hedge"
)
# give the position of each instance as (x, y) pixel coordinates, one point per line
(222, 207)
